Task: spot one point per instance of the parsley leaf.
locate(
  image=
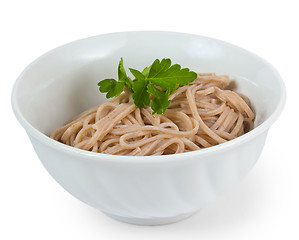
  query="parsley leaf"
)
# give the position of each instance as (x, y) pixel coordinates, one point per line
(112, 87)
(146, 70)
(122, 75)
(170, 77)
(140, 94)
(160, 101)
(158, 81)
(138, 75)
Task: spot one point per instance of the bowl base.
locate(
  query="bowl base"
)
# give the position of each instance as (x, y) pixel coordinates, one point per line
(151, 221)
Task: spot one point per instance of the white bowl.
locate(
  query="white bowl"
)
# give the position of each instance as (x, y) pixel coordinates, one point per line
(142, 190)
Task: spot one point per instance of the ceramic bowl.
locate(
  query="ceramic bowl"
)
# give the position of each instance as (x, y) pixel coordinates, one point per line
(148, 190)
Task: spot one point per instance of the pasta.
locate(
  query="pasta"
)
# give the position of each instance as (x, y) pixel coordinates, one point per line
(200, 115)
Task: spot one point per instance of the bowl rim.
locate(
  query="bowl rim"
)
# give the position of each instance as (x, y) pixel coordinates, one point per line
(264, 126)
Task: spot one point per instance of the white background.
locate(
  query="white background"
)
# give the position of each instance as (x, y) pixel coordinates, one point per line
(265, 205)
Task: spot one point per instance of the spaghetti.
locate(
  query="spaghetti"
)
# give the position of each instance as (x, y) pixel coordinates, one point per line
(201, 115)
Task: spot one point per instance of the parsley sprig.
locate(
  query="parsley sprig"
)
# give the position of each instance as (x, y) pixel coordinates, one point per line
(152, 86)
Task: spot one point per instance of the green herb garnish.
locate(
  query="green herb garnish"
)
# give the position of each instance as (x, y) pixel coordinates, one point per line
(152, 86)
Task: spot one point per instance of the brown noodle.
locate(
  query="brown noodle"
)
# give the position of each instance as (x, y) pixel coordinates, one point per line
(201, 115)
